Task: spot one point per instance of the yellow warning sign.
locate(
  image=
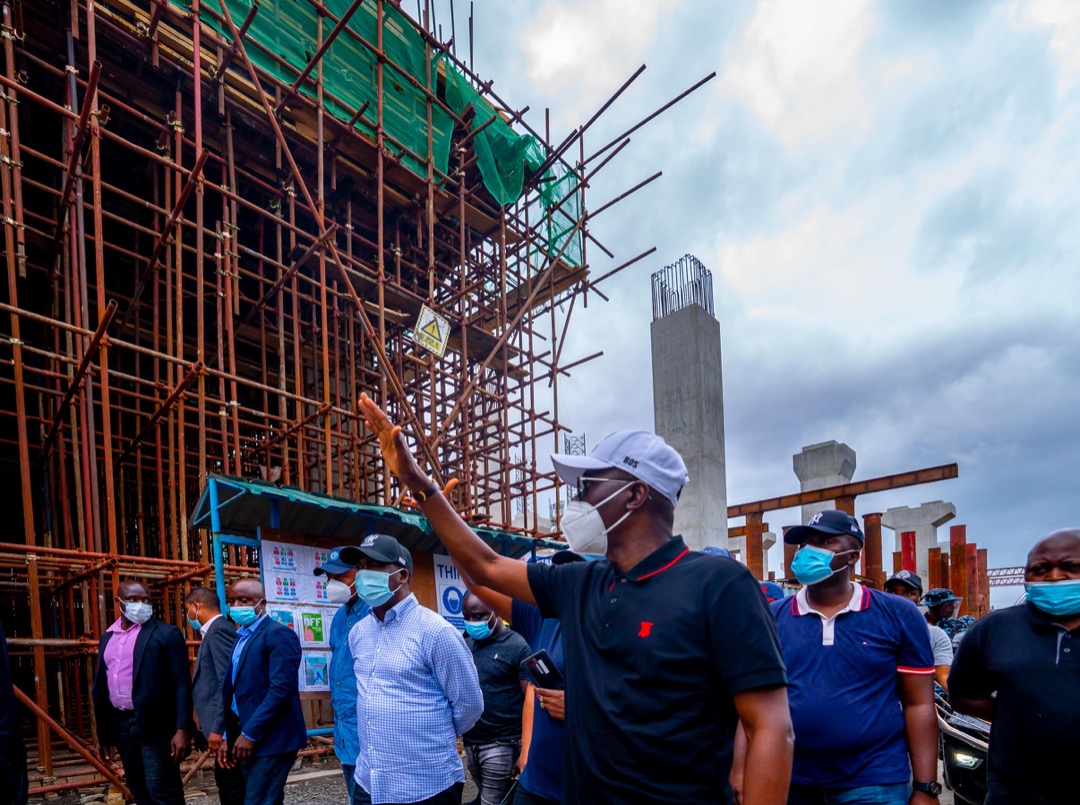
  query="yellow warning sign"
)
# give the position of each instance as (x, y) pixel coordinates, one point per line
(432, 331)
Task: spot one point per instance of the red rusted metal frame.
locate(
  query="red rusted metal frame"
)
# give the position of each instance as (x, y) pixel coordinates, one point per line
(928, 475)
(76, 378)
(166, 405)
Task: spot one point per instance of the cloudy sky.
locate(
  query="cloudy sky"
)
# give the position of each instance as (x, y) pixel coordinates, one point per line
(887, 195)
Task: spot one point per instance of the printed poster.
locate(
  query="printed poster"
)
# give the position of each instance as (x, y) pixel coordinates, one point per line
(313, 631)
(450, 590)
(279, 557)
(282, 587)
(315, 671)
(283, 615)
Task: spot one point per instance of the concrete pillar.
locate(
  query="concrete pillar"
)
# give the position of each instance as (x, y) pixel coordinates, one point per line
(737, 545)
(871, 556)
(924, 521)
(688, 405)
(933, 578)
(958, 575)
(822, 465)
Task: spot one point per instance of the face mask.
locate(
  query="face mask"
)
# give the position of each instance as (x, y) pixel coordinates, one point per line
(1059, 598)
(245, 616)
(338, 592)
(479, 630)
(194, 622)
(137, 612)
(813, 565)
(373, 586)
(584, 528)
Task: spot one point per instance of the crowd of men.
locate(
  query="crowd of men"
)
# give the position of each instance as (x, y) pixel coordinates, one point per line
(676, 676)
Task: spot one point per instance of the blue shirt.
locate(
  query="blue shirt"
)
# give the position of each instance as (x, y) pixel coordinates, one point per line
(416, 691)
(543, 773)
(842, 686)
(343, 680)
(242, 635)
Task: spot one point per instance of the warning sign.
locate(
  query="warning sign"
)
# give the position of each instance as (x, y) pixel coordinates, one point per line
(432, 331)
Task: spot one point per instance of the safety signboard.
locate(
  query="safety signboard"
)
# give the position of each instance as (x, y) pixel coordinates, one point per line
(432, 331)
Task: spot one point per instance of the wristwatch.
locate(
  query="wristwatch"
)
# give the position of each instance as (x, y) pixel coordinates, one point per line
(932, 789)
(421, 495)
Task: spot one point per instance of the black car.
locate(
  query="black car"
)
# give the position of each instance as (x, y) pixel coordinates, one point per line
(965, 741)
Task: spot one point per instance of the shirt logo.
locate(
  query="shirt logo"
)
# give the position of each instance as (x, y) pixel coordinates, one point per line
(646, 629)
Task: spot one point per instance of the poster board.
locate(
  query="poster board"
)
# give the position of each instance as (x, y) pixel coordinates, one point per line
(449, 590)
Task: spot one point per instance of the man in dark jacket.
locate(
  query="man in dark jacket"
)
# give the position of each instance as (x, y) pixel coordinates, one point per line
(142, 698)
(265, 723)
(218, 638)
(13, 779)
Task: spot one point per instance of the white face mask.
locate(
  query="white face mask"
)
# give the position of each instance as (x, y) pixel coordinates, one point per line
(338, 592)
(137, 612)
(584, 527)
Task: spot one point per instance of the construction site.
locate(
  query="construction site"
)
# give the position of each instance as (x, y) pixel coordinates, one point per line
(224, 220)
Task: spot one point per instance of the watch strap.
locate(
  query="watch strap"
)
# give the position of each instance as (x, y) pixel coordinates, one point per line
(933, 788)
(421, 495)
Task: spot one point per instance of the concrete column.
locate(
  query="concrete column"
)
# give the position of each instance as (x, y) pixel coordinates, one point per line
(958, 575)
(737, 545)
(688, 405)
(871, 556)
(822, 465)
(924, 521)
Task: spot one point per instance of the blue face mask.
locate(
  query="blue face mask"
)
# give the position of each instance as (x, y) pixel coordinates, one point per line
(479, 630)
(813, 565)
(245, 616)
(1059, 598)
(373, 587)
(194, 622)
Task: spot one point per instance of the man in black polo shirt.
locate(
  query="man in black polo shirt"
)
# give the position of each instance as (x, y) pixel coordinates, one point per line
(1019, 668)
(493, 743)
(666, 649)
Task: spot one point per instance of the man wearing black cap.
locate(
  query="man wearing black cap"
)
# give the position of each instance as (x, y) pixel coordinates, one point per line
(859, 676)
(908, 585)
(416, 685)
(341, 589)
(666, 649)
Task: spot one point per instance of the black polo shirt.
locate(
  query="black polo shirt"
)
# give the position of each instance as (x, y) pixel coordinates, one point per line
(653, 658)
(1033, 665)
(499, 665)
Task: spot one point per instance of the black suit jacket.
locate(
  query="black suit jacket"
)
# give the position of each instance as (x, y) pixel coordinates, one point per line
(211, 663)
(160, 690)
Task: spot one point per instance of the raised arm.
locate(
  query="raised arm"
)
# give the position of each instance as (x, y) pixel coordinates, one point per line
(501, 605)
(475, 558)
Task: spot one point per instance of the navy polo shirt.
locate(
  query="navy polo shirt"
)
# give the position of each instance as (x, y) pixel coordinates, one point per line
(1033, 666)
(544, 772)
(653, 659)
(842, 686)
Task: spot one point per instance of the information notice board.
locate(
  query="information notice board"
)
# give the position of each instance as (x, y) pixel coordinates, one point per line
(296, 598)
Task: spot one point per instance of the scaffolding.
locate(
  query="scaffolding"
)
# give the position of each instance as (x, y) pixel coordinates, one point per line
(223, 221)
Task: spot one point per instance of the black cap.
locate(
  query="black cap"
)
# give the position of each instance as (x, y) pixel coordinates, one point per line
(912, 580)
(380, 548)
(830, 521)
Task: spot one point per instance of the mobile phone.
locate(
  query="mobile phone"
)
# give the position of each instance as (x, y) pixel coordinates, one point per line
(543, 672)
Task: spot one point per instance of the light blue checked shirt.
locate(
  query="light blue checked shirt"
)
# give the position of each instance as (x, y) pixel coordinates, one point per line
(416, 691)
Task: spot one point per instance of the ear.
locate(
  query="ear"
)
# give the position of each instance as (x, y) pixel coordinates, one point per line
(639, 495)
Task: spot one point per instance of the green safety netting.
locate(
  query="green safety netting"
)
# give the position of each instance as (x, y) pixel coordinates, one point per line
(288, 30)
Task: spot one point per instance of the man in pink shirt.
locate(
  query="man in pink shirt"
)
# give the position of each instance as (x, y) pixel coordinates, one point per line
(142, 698)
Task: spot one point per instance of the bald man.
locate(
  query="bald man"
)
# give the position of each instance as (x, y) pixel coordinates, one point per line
(142, 698)
(261, 697)
(1019, 668)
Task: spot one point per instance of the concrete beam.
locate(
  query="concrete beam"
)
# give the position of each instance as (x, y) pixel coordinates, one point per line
(924, 521)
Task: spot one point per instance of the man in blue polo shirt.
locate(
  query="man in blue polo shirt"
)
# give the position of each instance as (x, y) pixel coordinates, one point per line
(860, 679)
(341, 589)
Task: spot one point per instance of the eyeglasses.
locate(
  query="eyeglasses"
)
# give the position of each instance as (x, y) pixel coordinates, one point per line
(583, 482)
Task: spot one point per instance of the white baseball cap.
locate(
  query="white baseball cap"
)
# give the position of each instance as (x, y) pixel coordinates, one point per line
(644, 455)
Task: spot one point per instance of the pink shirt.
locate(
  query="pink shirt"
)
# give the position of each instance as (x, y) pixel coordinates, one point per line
(120, 664)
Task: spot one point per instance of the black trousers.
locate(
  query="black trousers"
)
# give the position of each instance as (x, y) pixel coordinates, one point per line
(149, 770)
(14, 783)
(230, 784)
(451, 796)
